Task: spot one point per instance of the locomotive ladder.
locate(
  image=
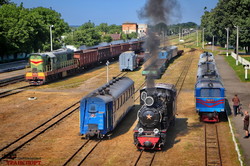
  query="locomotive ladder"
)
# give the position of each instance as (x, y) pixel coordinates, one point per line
(212, 147)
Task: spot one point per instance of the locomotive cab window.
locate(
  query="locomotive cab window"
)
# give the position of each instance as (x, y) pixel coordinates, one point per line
(211, 92)
(92, 108)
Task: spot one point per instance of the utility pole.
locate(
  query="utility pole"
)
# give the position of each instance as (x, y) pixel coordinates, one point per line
(203, 38)
(179, 34)
(197, 37)
(107, 63)
(237, 46)
(213, 44)
(50, 29)
(227, 38)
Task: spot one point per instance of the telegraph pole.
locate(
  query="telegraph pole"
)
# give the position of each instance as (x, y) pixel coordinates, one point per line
(213, 44)
(227, 38)
(203, 38)
(50, 29)
(237, 45)
(107, 63)
(197, 37)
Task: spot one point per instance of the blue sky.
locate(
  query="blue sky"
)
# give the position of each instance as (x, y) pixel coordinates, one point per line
(77, 12)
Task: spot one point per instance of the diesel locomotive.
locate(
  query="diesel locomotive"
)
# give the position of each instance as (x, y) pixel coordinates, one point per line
(49, 66)
(209, 90)
(155, 116)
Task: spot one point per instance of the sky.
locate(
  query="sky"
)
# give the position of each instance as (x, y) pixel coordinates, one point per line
(78, 12)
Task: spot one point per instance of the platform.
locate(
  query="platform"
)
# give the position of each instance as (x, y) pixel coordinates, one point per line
(233, 86)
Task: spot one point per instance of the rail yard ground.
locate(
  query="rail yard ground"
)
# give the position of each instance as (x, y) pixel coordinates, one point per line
(185, 145)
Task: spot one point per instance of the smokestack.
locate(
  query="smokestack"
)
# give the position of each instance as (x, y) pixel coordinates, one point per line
(156, 11)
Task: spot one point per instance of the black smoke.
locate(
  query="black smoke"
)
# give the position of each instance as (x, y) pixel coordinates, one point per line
(155, 12)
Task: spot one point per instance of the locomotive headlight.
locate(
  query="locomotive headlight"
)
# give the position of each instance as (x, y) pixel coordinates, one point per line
(156, 131)
(222, 110)
(140, 130)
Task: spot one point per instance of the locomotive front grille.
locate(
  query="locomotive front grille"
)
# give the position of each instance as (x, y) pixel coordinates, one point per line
(92, 127)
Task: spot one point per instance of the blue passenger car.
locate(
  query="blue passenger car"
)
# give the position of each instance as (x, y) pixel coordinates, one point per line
(104, 108)
(127, 61)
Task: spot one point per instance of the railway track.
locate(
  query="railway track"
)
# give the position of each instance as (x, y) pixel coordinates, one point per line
(12, 80)
(181, 79)
(76, 158)
(13, 91)
(9, 149)
(149, 157)
(212, 146)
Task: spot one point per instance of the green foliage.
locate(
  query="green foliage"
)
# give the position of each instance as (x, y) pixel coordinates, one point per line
(88, 34)
(106, 38)
(45, 18)
(132, 35)
(115, 29)
(228, 14)
(4, 2)
(87, 25)
(27, 30)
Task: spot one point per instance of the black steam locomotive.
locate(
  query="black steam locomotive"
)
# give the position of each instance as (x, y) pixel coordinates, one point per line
(155, 116)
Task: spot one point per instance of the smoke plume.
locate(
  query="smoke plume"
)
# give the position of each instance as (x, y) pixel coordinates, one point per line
(156, 11)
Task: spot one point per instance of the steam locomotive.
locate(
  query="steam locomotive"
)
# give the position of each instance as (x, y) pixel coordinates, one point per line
(155, 116)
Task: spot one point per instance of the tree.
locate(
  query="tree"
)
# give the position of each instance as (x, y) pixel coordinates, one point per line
(87, 25)
(88, 37)
(106, 38)
(27, 30)
(103, 27)
(113, 29)
(45, 18)
(2, 2)
(228, 14)
(15, 29)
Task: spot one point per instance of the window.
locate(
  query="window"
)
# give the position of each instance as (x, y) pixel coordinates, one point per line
(92, 108)
(210, 92)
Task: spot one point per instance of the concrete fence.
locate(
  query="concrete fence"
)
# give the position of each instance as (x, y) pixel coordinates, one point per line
(243, 61)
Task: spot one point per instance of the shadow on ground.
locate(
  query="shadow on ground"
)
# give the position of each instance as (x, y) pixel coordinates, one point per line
(180, 129)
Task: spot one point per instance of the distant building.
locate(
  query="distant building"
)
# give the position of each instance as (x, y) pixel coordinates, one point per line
(129, 28)
(142, 29)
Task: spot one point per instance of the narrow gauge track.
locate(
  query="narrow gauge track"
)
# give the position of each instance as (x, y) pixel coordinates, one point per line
(21, 89)
(8, 150)
(212, 146)
(179, 84)
(12, 80)
(147, 158)
(14, 146)
(13, 91)
(77, 154)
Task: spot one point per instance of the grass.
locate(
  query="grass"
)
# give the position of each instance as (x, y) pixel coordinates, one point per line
(247, 58)
(239, 70)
